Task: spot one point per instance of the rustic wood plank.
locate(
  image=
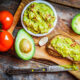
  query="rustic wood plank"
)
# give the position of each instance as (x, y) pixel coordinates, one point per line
(6, 58)
(43, 50)
(18, 14)
(71, 3)
(38, 50)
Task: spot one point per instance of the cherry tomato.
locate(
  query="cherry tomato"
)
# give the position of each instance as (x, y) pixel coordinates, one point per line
(6, 19)
(6, 41)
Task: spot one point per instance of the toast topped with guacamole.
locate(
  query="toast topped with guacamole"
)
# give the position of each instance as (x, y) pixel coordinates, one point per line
(63, 46)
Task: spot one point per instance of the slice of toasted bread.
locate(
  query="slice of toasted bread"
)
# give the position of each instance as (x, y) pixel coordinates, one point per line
(54, 52)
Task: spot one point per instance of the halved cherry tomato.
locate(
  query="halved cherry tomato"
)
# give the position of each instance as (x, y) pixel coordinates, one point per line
(6, 41)
(6, 19)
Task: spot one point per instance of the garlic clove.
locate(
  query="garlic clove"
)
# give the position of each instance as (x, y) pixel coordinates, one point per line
(43, 41)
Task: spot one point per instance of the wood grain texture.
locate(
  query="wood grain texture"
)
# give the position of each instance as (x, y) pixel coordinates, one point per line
(41, 52)
(18, 14)
(8, 59)
(61, 28)
(71, 3)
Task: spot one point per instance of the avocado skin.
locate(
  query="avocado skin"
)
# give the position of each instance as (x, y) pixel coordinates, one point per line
(73, 23)
(21, 35)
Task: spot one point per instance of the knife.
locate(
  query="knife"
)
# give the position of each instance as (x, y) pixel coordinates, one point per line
(14, 70)
(17, 70)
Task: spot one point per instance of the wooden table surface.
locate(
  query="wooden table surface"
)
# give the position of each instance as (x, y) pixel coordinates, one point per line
(66, 13)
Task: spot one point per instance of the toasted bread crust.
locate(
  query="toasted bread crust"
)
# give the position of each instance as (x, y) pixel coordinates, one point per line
(51, 51)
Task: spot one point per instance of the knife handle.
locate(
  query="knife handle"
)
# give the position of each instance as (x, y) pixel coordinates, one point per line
(14, 71)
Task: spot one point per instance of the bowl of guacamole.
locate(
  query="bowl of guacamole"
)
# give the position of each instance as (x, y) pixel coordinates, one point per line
(39, 18)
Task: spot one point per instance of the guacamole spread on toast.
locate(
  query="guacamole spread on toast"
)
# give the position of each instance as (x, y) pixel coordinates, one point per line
(72, 67)
(66, 47)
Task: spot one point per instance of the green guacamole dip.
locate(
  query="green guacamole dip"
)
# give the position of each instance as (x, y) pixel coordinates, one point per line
(72, 67)
(66, 47)
(38, 18)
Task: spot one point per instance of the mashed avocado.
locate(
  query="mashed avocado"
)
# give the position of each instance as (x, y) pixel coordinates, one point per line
(72, 67)
(38, 18)
(66, 47)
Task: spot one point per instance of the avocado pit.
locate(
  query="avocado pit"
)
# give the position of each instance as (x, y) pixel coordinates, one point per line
(25, 46)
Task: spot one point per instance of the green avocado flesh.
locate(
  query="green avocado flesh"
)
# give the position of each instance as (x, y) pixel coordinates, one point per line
(76, 24)
(73, 67)
(38, 18)
(66, 47)
(24, 45)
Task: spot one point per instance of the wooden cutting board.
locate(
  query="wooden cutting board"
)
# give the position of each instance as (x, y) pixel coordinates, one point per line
(41, 53)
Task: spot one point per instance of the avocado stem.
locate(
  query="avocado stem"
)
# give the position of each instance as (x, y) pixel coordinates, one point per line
(0, 25)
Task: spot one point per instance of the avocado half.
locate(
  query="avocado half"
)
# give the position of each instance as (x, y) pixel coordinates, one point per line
(76, 24)
(24, 45)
